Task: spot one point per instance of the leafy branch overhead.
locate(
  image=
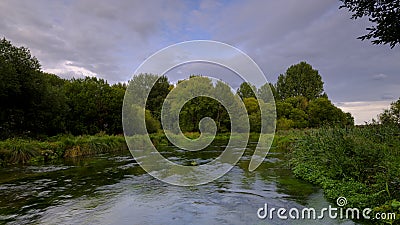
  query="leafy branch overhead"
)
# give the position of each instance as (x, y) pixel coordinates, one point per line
(385, 14)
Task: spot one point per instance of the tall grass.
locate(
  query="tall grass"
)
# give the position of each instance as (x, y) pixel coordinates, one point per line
(17, 151)
(90, 145)
(21, 151)
(361, 164)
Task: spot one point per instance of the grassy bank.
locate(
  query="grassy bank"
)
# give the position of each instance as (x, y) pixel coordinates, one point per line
(360, 163)
(23, 151)
(28, 151)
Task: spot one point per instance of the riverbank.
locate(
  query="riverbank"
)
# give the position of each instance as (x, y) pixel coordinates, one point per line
(359, 163)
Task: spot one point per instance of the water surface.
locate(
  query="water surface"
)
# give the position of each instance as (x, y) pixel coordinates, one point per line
(113, 189)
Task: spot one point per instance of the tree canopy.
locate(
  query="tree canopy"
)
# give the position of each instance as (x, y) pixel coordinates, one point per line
(246, 90)
(300, 80)
(25, 93)
(391, 115)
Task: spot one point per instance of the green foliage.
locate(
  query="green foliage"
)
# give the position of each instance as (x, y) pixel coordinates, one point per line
(391, 206)
(283, 109)
(392, 115)
(359, 163)
(90, 145)
(17, 151)
(157, 95)
(299, 117)
(29, 100)
(152, 124)
(251, 105)
(22, 151)
(37, 104)
(322, 112)
(267, 92)
(300, 101)
(253, 110)
(300, 80)
(284, 124)
(196, 109)
(385, 16)
(93, 106)
(246, 90)
(199, 107)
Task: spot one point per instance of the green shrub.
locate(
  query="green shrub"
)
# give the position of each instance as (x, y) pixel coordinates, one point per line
(359, 163)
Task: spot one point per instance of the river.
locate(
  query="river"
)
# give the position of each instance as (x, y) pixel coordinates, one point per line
(113, 189)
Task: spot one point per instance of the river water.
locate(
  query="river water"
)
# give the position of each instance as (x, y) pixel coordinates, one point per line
(113, 189)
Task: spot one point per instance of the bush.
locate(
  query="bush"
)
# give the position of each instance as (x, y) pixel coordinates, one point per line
(359, 163)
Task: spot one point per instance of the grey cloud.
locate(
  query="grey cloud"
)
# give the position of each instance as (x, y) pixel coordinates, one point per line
(110, 39)
(388, 97)
(380, 76)
(102, 37)
(277, 34)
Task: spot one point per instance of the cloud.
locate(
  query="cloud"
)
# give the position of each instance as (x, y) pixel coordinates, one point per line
(99, 38)
(364, 111)
(379, 76)
(109, 40)
(277, 34)
(388, 97)
(68, 70)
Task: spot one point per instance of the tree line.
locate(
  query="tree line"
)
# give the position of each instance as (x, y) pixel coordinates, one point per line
(38, 104)
(300, 99)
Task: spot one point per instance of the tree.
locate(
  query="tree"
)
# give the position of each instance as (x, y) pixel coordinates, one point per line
(152, 124)
(222, 118)
(322, 112)
(157, 96)
(283, 109)
(300, 80)
(299, 117)
(267, 92)
(292, 112)
(199, 107)
(284, 124)
(385, 14)
(115, 103)
(253, 110)
(27, 95)
(246, 90)
(53, 107)
(94, 106)
(391, 115)
(299, 102)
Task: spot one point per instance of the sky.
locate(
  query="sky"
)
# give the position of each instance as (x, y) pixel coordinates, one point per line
(110, 39)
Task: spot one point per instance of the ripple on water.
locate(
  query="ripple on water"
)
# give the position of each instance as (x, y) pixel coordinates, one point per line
(46, 169)
(78, 195)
